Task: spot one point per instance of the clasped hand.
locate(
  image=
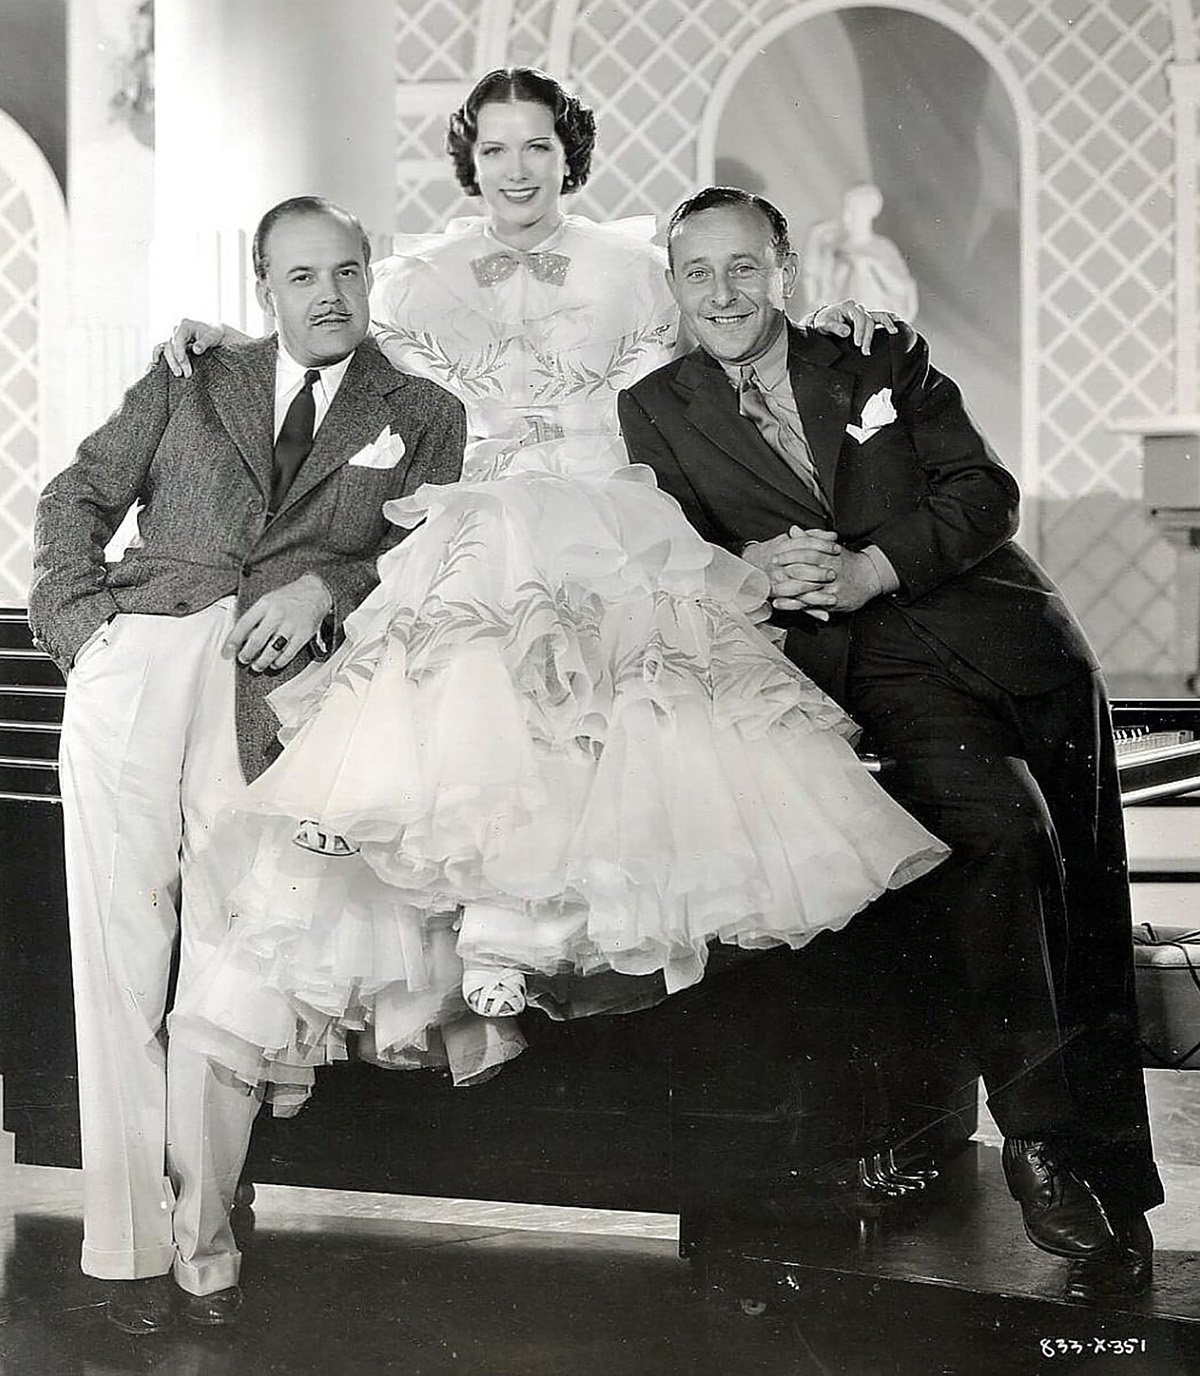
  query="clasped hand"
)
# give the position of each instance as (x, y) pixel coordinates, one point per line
(272, 632)
(811, 572)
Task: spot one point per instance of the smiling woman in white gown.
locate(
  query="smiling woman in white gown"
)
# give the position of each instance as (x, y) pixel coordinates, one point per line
(554, 741)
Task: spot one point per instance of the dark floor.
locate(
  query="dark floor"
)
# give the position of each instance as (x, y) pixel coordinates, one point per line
(363, 1284)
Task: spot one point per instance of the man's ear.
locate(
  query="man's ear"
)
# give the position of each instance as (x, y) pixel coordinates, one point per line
(789, 269)
(262, 294)
(670, 279)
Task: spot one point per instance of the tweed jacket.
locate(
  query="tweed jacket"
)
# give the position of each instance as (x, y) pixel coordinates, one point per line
(924, 486)
(196, 455)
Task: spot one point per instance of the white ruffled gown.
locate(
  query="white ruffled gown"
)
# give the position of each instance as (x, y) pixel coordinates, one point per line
(556, 700)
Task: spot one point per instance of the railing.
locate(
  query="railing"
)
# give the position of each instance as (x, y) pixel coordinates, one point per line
(31, 706)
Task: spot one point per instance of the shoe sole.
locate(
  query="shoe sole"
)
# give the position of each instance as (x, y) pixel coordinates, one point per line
(1067, 1256)
(1143, 1287)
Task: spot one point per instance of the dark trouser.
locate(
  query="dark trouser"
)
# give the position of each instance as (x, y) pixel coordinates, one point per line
(1029, 919)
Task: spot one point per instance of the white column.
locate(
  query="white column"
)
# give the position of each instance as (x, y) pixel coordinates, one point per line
(110, 212)
(256, 103)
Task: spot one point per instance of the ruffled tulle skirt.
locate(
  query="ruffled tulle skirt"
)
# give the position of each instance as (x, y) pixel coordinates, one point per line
(556, 704)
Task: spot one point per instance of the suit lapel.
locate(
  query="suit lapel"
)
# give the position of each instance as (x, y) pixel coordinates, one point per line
(711, 406)
(823, 396)
(360, 410)
(242, 391)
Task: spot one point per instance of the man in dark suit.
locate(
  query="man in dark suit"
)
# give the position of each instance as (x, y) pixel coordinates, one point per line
(261, 482)
(884, 522)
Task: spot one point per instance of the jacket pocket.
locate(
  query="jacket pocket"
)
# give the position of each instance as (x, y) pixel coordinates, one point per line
(94, 645)
(357, 522)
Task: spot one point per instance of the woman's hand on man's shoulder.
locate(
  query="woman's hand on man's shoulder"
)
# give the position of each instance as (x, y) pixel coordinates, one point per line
(189, 338)
(850, 318)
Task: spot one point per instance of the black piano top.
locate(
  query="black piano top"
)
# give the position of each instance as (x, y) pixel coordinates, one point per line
(31, 695)
(1158, 714)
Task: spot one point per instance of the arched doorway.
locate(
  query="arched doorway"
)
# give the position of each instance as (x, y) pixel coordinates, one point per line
(835, 96)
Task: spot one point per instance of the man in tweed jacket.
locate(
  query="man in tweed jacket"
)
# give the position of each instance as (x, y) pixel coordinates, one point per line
(240, 569)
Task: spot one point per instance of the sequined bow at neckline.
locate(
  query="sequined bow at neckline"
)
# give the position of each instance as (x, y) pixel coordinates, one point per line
(498, 267)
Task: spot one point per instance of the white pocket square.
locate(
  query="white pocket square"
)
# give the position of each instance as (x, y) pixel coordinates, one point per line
(384, 452)
(876, 413)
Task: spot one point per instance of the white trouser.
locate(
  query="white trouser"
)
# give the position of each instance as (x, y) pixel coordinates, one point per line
(149, 756)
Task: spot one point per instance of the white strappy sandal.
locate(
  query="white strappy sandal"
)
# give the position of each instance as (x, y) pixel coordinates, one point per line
(309, 836)
(494, 993)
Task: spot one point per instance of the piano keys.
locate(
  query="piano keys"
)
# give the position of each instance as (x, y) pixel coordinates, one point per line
(1158, 750)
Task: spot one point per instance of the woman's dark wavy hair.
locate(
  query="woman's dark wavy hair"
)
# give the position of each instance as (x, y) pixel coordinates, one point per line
(574, 122)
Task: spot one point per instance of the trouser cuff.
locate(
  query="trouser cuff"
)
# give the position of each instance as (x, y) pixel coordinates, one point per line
(203, 1278)
(138, 1265)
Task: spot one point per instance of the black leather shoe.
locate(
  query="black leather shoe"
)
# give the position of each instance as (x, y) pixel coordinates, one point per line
(215, 1310)
(1127, 1270)
(142, 1306)
(1061, 1214)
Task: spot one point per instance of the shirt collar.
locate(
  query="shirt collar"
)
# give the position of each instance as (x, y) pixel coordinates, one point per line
(289, 374)
(771, 368)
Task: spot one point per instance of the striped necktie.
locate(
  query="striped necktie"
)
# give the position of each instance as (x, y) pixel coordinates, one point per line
(779, 432)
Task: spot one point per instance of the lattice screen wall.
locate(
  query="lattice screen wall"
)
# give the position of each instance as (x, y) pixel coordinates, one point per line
(1093, 76)
(20, 475)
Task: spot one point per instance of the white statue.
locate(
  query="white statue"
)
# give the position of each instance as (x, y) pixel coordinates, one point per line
(844, 257)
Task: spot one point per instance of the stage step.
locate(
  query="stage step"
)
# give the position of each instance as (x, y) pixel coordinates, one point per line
(28, 668)
(32, 705)
(34, 741)
(957, 1253)
(14, 629)
(28, 780)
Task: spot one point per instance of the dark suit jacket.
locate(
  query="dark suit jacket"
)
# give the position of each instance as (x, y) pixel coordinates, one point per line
(197, 454)
(927, 489)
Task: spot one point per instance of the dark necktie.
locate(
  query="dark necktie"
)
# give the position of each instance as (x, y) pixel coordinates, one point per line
(295, 439)
(778, 431)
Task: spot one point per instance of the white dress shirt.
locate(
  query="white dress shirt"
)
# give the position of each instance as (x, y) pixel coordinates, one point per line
(289, 378)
